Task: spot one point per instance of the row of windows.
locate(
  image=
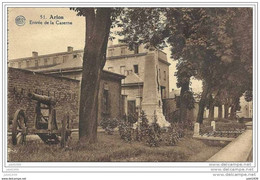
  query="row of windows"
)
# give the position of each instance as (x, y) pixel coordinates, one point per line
(36, 62)
(123, 71)
(123, 51)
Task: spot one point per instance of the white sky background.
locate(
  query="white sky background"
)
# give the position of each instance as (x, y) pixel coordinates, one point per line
(46, 39)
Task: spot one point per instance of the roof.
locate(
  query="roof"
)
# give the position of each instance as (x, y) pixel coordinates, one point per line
(45, 55)
(132, 78)
(70, 64)
(50, 75)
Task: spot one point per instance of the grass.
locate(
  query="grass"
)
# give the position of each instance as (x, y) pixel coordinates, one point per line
(222, 125)
(110, 148)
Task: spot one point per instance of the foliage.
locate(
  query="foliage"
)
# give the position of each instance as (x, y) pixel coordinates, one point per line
(214, 41)
(248, 95)
(126, 131)
(143, 126)
(153, 136)
(171, 137)
(174, 116)
(132, 118)
(109, 124)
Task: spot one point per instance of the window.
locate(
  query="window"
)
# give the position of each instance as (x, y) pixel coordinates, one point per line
(160, 73)
(131, 107)
(55, 59)
(111, 69)
(45, 61)
(123, 51)
(27, 63)
(75, 56)
(122, 70)
(36, 63)
(136, 69)
(65, 58)
(164, 75)
(19, 64)
(110, 52)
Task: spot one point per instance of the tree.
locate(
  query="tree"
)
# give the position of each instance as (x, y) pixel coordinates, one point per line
(98, 22)
(211, 39)
(184, 72)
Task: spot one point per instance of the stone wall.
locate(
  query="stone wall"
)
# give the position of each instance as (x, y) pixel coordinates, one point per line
(64, 90)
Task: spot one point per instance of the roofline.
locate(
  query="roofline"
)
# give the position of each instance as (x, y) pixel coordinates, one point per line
(132, 84)
(68, 69)
(126, 56)
(77, 69)
(112, 73)
(165, 62)
(58, 77)
(45, 55)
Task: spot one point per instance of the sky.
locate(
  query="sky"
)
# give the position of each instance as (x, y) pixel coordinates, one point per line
(49, 38)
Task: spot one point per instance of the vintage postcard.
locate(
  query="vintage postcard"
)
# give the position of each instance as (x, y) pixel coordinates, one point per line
(148, 87)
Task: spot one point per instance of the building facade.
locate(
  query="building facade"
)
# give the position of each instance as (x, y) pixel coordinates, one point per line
(69, 65)
(147, 77)
(144, 74)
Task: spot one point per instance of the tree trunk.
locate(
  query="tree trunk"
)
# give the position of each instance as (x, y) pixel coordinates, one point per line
(220, 111)
(232, 112)
(183, 103)
(211, 108)
(226, 107)
(202, 103)
(97, 31)
(211, 112)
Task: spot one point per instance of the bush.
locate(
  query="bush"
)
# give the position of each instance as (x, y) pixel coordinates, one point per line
(174, 116)
(109, 125)
(132, 118)
(143, 127)
(171, 137)
(152, 133)
(126, 129)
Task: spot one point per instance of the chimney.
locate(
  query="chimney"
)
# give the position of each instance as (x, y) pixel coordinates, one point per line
(70, 49)
(34, 54)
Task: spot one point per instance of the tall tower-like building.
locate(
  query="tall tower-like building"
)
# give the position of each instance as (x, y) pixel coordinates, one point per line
(147, 79)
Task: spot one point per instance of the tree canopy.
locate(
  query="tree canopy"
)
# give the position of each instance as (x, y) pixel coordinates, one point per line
(217, 42)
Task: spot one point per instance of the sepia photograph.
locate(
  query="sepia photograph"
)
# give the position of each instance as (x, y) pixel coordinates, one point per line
(130, 86)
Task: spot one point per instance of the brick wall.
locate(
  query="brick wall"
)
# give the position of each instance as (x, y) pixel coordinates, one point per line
(21, 82)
